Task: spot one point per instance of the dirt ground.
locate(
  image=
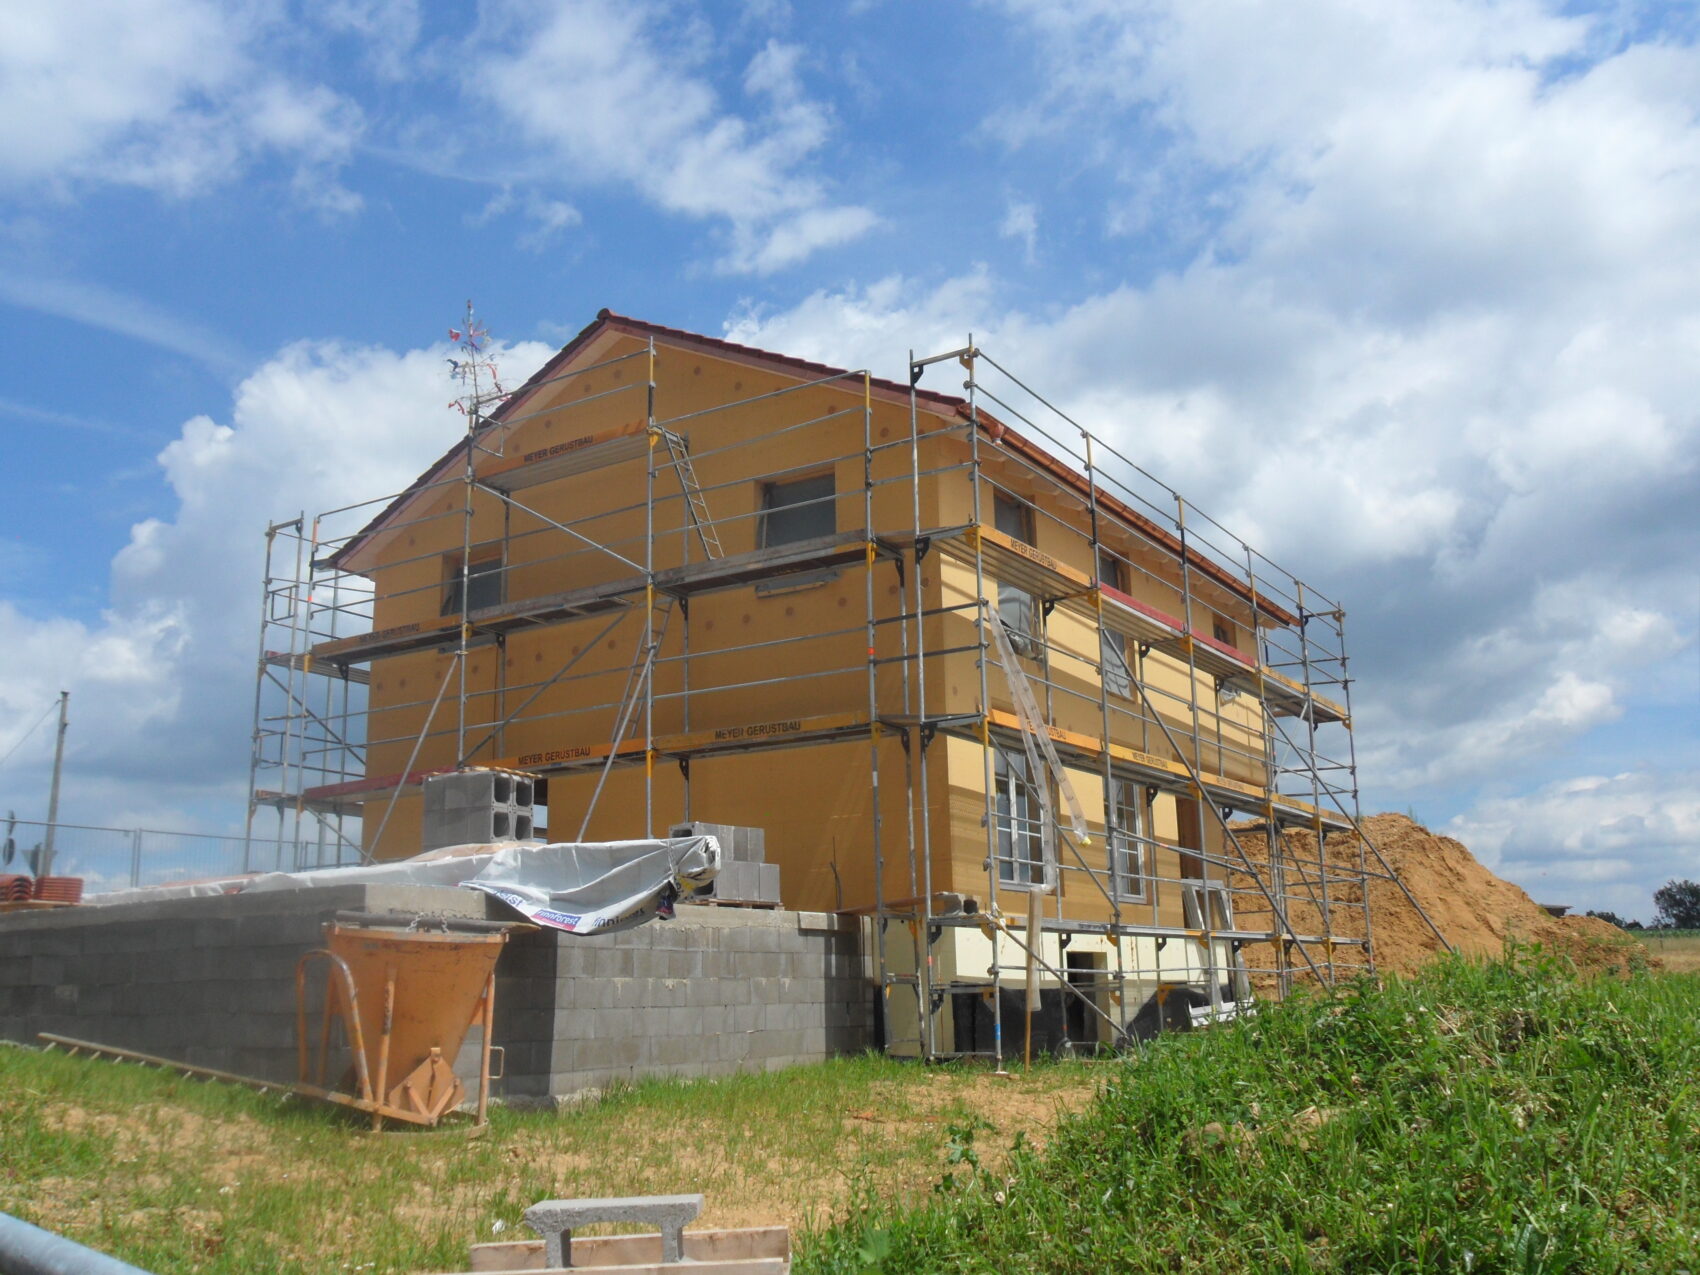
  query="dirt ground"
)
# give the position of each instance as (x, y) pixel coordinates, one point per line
(1476, 910)
(1678, 954)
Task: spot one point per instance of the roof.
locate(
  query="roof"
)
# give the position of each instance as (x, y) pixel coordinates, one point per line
(1000, 434)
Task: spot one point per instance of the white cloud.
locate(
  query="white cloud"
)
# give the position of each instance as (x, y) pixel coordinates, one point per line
(172, 95)
(597, 88)
(389, 28)
(1021, 223)
(868, 328)
(119, 312)
(162, 683)
(548, 217)
(1430, 339)
(1594, 841)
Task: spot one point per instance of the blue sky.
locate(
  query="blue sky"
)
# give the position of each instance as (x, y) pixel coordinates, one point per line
(1407, 294)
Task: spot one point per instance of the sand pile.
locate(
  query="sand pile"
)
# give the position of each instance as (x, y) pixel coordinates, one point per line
(1476, 910)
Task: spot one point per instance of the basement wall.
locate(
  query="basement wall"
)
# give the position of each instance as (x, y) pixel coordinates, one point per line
(716, 990)
(211, 981)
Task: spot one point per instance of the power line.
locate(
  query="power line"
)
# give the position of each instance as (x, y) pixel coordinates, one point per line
(38, 721)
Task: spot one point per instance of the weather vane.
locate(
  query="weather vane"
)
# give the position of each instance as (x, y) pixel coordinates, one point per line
(472, 341)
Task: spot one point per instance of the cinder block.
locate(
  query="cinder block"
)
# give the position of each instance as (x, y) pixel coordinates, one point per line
(737, 844)
(742, 882)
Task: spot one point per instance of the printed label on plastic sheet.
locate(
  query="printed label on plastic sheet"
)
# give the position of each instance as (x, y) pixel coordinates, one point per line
(607, 919)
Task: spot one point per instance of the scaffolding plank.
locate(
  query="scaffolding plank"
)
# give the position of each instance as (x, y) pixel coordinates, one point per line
(1210, 655)
(563, 607)
(1285, 697)
(734, 570)
(305, 662)
(557, 608)
(1018, 563)
(1172, 775)
(326, 805)
(568, 457)
(1139, 929)
(742, 737)
(1127, 615)
(397, 640)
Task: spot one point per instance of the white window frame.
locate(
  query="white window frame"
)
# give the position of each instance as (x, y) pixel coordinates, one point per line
(1019, 819)
(1128, 868)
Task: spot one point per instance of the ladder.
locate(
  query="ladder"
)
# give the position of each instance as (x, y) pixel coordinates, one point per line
(1036, 740)
(695, 503)
(660, 610)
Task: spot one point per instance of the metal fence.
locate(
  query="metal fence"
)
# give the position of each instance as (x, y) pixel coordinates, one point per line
(123, 858)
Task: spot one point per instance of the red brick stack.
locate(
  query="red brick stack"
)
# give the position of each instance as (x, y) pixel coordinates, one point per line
(59, 889)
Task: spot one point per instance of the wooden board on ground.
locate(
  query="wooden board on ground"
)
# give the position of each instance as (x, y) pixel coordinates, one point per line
(760, 1250)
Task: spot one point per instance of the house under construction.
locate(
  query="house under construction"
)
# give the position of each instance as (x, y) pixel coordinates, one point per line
(978, 676)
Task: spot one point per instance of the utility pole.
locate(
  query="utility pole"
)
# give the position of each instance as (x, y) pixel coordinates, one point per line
(45, 867)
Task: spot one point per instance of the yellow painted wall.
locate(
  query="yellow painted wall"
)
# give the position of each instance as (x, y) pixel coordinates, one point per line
(760, 658)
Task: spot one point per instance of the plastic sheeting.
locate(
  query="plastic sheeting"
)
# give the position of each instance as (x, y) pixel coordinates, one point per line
(594, 887)
(598, 888)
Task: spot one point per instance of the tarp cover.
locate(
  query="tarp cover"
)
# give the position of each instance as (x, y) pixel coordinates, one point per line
(595, 887)
(598, 887)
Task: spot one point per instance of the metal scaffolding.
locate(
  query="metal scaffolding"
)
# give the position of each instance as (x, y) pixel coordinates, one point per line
(1195, 692)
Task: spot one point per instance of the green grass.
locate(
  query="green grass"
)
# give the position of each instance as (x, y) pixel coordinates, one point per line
(1497, 1117)
(180, 1175)
(1503, 1116)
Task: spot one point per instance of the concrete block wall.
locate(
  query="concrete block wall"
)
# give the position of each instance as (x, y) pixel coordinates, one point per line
(211, 981)
(714, 991)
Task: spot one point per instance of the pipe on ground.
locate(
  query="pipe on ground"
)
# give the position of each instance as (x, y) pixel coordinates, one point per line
(29, 1250)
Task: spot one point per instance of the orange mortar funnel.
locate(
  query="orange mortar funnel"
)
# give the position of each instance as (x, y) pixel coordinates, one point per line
(406, 998)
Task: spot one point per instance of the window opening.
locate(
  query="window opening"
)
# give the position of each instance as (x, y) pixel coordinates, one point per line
(483, 584)
(798, 509)
(1118, 674)
(1017, 609)
(1111, 570)
(1013, 516)
(1020, 834)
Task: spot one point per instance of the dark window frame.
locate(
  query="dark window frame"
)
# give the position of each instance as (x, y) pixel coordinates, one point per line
(1019, 611)
(791, 521)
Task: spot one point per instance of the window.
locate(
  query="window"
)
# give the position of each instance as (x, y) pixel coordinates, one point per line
(1221, 630)
(1127, 850)
(1111, 570)
(483, 583)
(1017, 609)
(1117, 669)
(1013, 517)
(797, 509)
(1020, 825)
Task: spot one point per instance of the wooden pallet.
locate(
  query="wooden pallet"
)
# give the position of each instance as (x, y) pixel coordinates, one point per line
(712, 902)
(761, 1250)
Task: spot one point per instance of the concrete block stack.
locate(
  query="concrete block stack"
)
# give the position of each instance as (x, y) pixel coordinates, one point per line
(473, 807)
(746, 877)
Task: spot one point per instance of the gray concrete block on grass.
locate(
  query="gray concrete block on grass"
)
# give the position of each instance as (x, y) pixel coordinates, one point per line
(555, 1221)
